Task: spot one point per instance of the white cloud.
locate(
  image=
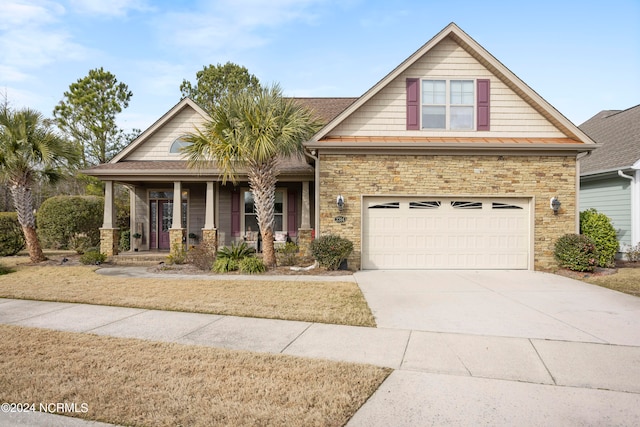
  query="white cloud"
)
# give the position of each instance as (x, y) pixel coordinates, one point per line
(232, 24)
(109, 7)
(17, 13)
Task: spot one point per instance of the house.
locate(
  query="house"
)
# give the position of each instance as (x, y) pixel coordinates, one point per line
(610, 177)
(450, 161)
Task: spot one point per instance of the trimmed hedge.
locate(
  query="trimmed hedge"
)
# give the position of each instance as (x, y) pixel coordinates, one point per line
(330, 250)
(68, 222)
(576, 252)
(599, 228)
(11, 236)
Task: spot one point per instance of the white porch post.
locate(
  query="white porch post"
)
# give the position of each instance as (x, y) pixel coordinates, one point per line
(306, 207)
(209, 220)
(176, 222)
(109, 206)
(635, 207)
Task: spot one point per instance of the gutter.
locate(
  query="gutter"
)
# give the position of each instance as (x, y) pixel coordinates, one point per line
(635, 205)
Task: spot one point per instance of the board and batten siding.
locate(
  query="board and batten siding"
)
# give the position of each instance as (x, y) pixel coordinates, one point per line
(612, 197)
(158, 144)
(385, 113)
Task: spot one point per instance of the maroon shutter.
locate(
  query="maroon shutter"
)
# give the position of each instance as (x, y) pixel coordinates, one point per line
(292, 214)
(413, 104)
(483, 104)
(235, 213)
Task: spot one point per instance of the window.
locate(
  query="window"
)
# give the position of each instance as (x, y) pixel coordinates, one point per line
(177, 145)
(466, 205)
(448, 104)
(388, 205)
(431, 204)
(251, 219)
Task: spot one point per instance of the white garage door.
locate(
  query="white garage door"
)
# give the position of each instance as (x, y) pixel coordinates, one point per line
(446, 233)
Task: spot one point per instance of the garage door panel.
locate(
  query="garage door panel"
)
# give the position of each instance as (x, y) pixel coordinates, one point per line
(445, 233)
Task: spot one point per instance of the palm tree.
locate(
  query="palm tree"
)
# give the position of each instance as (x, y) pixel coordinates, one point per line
(254, 130)
(30, 150)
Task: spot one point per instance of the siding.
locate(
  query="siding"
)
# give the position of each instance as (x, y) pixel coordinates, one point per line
(612, 197)
(156, 147)
(196, 208)
(385, 113)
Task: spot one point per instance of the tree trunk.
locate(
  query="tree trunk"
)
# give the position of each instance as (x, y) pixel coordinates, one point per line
(24, 207)
(262, 182)
(33, 245)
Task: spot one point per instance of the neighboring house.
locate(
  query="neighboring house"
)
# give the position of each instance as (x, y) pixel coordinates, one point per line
(450, 161)
(610, 177)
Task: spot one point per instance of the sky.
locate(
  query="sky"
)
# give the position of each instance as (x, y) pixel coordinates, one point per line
(581, 56)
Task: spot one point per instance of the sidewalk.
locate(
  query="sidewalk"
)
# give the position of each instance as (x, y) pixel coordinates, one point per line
(444, 377)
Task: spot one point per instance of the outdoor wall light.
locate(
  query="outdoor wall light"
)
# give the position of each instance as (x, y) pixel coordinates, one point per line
(555, 205)
(340, 202)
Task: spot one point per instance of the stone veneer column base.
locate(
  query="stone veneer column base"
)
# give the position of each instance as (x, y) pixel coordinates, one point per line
(210, 236)
(109, 241)
(176, 240)
(305, 237)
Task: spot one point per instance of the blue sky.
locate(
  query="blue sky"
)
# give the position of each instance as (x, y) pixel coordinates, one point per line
(581, 56)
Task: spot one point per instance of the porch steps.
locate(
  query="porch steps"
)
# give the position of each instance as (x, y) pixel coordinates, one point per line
(139, 259)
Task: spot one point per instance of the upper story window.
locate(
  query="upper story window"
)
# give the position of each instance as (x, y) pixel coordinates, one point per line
(177, 145)
(448, 104)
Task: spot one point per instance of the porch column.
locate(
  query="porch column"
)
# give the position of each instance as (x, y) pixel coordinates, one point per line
(305, 233)
(209, 232)
(176, 231)
(108, 233)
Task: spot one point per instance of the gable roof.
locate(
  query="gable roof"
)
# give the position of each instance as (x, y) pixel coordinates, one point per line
(619, 133)
(168, 116)
(486, 59)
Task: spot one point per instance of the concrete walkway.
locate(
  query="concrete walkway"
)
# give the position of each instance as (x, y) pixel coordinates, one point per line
(441, 377)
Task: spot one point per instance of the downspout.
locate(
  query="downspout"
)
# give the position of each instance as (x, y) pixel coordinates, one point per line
(635, 206)
(316, 190)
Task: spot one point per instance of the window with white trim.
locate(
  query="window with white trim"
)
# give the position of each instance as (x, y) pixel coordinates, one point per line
(448, 104)
(178, 145)
(250, 218)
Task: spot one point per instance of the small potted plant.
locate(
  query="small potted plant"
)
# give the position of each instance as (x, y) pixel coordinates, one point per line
(193, 237)
(136, 238)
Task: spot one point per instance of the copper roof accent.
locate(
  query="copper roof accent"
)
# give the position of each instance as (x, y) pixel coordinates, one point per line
(447, 140)
(619, 133)
(326, 108)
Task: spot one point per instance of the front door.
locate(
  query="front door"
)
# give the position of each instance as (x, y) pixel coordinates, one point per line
(161, 217)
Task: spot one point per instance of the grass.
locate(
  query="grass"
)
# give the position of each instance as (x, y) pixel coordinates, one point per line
(322, 302)
(626, 280)
(136, 382)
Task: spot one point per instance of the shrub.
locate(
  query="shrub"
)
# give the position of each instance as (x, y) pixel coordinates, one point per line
(252, 265)
(202, 256)
(287, 254)
(11, 237)
(61, 218)
(633, 253)
(225, 265)
(178, 255)
(236, 251)
(576, 252)
(598, 226)
(330, 250)
(125, 240)
(93, 257)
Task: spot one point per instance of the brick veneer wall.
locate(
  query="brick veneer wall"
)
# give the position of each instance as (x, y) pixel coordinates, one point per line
(540, 177)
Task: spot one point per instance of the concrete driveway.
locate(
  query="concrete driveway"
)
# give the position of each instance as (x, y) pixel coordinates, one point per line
(504, 348)
(512, 303)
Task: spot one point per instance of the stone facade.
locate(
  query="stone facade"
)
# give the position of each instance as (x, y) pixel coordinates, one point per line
(109, 241)
(210, 236)
(305, 236)
(176, 240)
(537, 177)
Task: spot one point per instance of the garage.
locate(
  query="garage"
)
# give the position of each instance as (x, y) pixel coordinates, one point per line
(445, 233)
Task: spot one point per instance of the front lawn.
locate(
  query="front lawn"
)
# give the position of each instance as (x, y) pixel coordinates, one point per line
(626, 280)
(136, 382)
(323, 302)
